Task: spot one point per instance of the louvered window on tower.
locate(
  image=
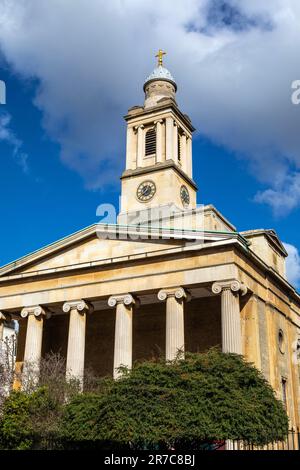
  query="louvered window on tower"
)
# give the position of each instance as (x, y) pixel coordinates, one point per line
(179, 148)
(150, 142)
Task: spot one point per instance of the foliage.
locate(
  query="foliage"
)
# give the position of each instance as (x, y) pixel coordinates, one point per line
(14, 431)
(30, 418)
(24, 419)
(179, 405)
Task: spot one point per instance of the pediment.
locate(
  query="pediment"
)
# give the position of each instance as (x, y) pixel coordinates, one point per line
(272, 235)
(86, 246)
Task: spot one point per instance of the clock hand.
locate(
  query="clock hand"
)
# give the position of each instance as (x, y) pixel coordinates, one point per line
(145, 191)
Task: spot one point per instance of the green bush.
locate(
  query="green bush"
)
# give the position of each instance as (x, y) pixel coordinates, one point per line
(29, 420)
(14, 430)
(206, 397)
(183, 404)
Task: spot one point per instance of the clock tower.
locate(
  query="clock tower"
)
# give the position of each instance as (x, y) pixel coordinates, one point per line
(158, 170)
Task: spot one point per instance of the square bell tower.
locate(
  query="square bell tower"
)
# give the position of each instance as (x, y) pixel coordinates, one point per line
(159, 151)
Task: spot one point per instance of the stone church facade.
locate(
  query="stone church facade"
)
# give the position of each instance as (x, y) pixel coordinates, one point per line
(112, 294)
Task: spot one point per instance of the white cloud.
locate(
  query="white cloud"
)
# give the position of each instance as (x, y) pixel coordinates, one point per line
(293, 264)
(7, 135)
(284, 197)
(234, 67)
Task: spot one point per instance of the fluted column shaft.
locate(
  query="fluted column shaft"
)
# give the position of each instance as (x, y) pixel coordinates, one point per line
(230, 314)
(33, 343)
(174, 320)
(34, 333)
(76, 338)
(34, 336)
(123, 331)
(231, 323)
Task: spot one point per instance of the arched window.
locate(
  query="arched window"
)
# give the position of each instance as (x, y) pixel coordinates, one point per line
(150, 142)
(281, 341)
(284, 391)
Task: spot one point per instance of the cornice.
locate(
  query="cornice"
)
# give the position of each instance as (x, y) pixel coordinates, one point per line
(159, 167)
(226, 241)
(97, 264)
(166, 104)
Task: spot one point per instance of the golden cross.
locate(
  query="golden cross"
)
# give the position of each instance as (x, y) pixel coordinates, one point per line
(160, 55)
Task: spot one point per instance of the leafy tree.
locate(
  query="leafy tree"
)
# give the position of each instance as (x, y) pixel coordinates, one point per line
(181, 405)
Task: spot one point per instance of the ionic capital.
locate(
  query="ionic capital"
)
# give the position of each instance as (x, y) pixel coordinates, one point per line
(178, 292)
(80, 305)
(36, 310)
(4, 317)
(141, 126)
(159, 121)
(233, 285)
(126, 299)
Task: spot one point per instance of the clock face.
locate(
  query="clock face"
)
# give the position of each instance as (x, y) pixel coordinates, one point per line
(185, 197)
(146, 191)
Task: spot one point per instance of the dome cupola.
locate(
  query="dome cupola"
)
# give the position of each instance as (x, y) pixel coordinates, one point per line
(160, 84)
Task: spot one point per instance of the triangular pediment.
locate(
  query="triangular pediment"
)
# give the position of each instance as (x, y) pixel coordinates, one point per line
(271, 236)
(101, 244)
(86, 246)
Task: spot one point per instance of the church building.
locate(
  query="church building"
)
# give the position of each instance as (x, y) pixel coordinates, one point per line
(150, 285)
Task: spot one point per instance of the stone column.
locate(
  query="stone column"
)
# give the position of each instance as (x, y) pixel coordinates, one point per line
(140, 146)
(230, 314)
(76, 339)
(129, 149)
(183, 153)
(159, 157)
(189, 157)
(169, 137)
(174, 298)
(175, 143)
(123, 331)
(34, 337)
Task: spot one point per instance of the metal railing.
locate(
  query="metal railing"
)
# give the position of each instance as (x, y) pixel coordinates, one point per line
(292, 442)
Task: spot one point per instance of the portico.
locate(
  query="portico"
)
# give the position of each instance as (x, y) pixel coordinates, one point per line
(105, 314)
(132, 314)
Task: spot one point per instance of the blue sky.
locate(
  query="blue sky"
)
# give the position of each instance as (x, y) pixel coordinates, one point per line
(65, 102)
